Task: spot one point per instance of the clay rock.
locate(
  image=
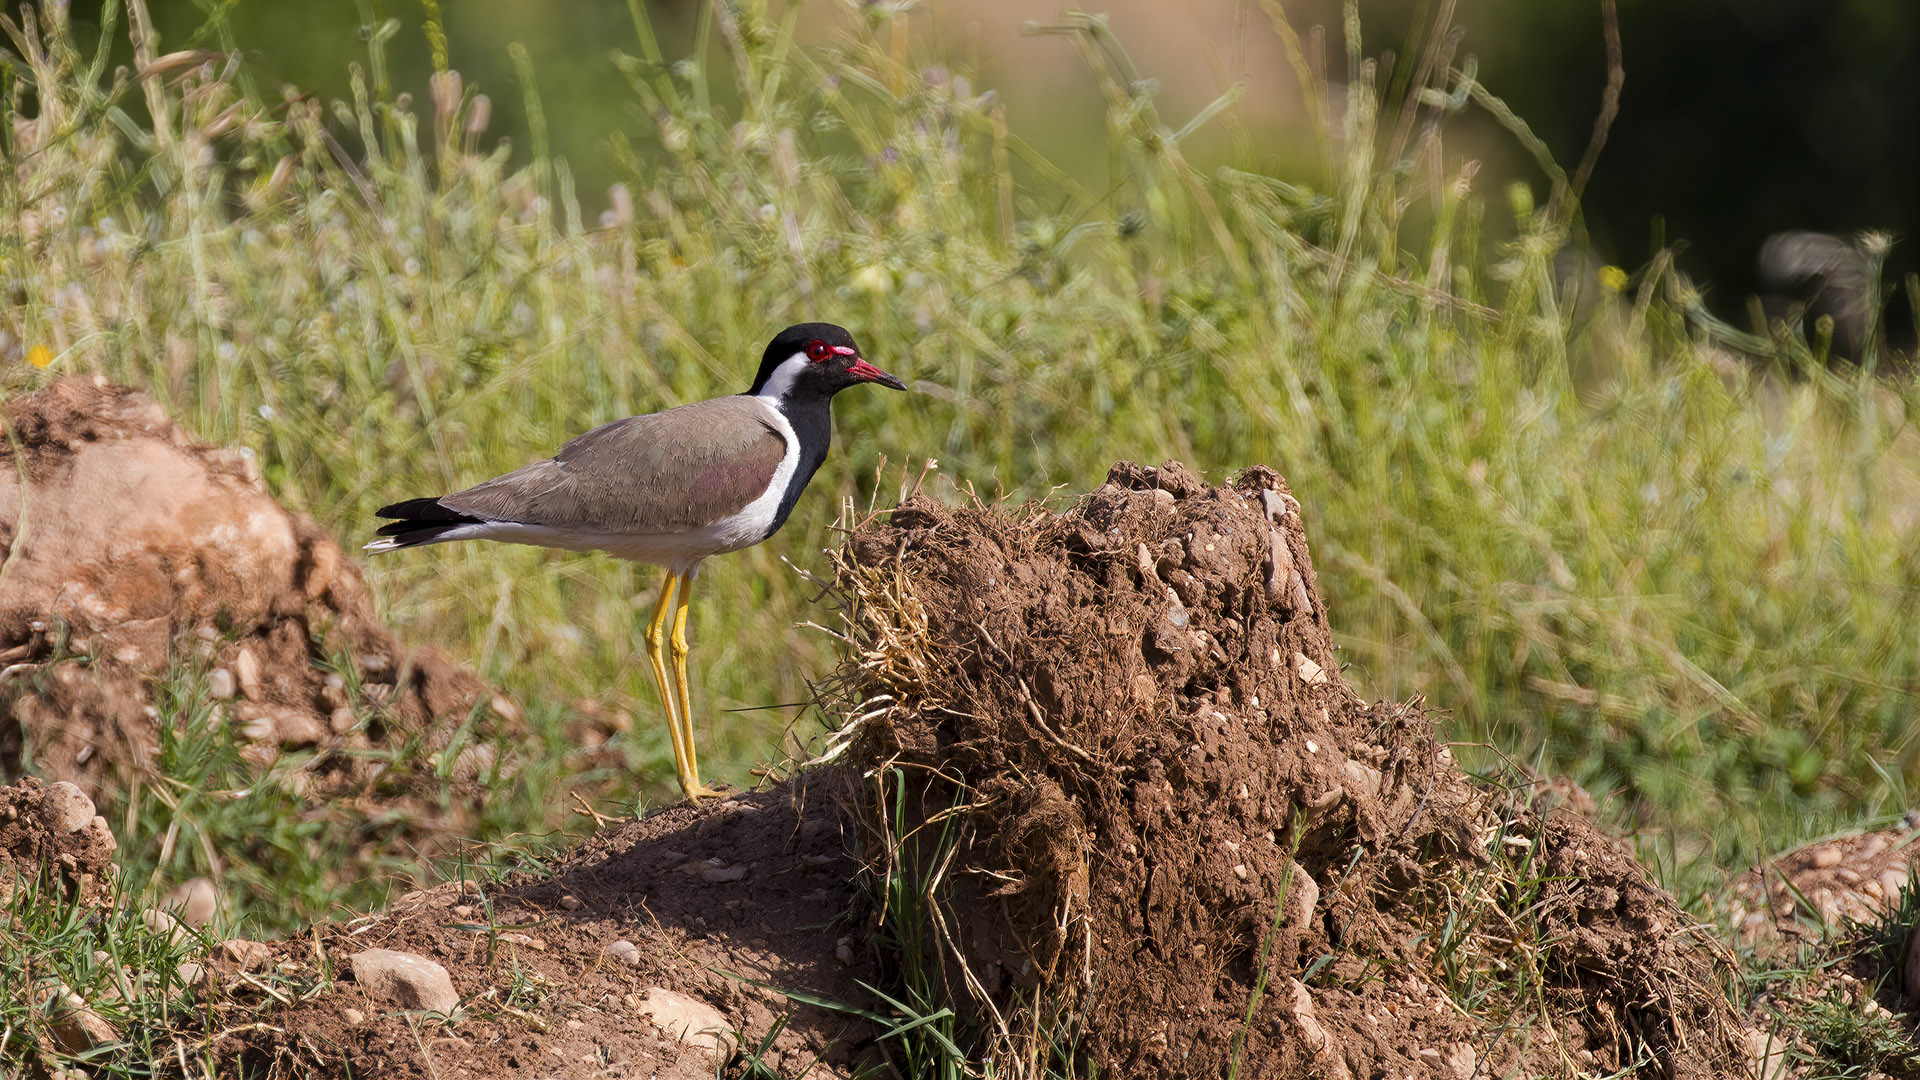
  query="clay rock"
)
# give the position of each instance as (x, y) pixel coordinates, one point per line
(281, 725)
(103, 551)
(65, 808)
(1767, 1054)
(161, 922)
(250, 955)
(194, 902)
(689, 1021)
(409, 980)
(76, 1027)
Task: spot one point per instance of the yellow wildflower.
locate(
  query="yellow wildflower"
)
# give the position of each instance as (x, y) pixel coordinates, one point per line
(39, 356)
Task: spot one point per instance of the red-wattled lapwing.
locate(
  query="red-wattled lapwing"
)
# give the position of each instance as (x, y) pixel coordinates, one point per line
(669, 488)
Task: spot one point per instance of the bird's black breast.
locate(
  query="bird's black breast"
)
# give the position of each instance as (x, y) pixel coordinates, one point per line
(813, 428)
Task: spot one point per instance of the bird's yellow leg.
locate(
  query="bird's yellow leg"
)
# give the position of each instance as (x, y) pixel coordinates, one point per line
(689, 766)
(657, 657)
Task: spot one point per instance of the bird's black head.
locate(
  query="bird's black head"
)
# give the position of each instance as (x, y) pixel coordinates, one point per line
(814, 360)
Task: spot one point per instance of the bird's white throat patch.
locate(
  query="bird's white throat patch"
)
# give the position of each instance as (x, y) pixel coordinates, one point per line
(780, 383)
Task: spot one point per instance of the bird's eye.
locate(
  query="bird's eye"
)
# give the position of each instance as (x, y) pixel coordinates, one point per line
(818, 351)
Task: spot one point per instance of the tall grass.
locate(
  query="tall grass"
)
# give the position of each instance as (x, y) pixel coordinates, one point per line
(1603, 546)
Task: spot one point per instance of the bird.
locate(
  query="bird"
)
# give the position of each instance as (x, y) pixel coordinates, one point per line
(668, 489)
(1807, 275)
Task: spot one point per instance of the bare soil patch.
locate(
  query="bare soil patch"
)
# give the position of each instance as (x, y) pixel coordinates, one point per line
(1178, 822)
(728, 904)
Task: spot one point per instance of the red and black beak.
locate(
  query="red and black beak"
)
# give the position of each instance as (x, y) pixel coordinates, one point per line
(866, 372)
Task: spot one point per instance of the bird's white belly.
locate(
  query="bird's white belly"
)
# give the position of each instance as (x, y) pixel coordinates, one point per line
(678, 552)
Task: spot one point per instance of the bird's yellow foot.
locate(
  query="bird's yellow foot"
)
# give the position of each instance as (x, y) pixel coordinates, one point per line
(697, 791)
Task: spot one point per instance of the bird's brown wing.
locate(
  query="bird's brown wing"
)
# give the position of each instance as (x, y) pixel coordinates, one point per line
(666, 472)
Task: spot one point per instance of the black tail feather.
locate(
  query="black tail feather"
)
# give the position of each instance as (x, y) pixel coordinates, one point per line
(420, 521)
(423, 511)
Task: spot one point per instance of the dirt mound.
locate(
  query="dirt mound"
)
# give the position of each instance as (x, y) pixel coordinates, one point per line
(52, 829)
(130, 549)
(1144, 796)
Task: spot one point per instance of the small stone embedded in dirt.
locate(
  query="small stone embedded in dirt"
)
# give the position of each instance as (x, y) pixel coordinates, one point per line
(189, 973)
(353, 1017)
(1303, 897)
(100, 835)
(246, 668)
(1310, 672)
(162, 923)
(281, 725)
(220, 684)
(65, 808)
(193, 903)
(250, 955)
(406, 979)
(722, 874)
(474, 762)
(1321, 1045)
(1457, 1060)
(624, 951)
(1767, 1055)
(570, 902)
(689, 1021)
(76, 1027)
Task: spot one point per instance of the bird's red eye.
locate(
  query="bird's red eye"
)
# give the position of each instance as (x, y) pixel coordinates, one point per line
(818, 351)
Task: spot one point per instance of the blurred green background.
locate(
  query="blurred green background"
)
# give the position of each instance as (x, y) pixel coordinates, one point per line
(1739, 118)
